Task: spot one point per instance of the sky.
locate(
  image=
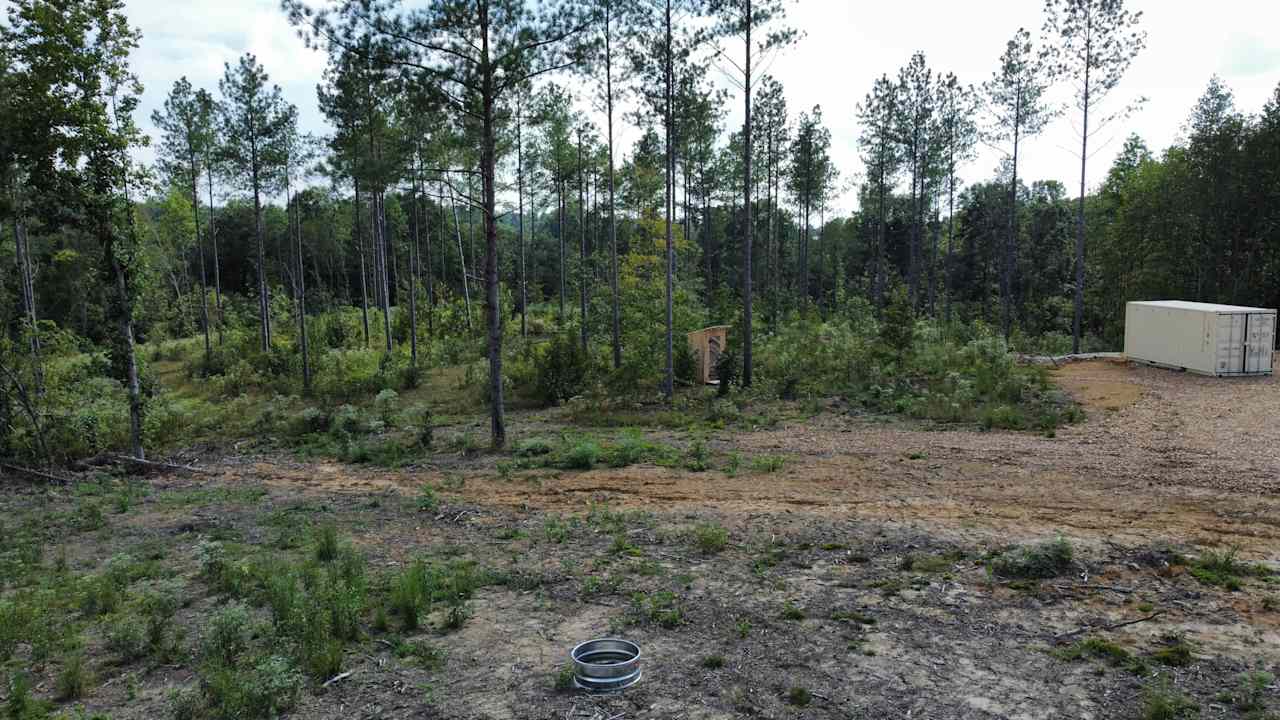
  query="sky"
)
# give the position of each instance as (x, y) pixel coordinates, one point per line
(846, 45)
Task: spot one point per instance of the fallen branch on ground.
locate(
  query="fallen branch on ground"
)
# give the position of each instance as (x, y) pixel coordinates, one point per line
(33, 473)
(1106, 628)
(156, 465)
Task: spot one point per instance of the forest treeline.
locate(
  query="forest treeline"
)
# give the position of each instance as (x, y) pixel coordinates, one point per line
(464, 204)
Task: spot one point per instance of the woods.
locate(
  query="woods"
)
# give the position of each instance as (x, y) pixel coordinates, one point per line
(472, 158)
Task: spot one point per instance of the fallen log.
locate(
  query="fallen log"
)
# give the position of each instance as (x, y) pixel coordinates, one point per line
(34, 473)
(157, 465)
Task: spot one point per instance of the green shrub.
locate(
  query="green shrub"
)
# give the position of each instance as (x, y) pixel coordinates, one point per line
(561, 369)
(326, 543)
(583, 455)
(710, 538)
(226, 635)
(126, 638)
(1046, 560)
(73, 679)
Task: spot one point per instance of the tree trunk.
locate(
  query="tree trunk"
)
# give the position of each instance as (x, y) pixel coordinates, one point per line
(358, 221)
(749, 233)
(1078, 315)
(582, 247)
(213, 242)
(613, 220)
(487, 161)
(462, 258)
(264, 302)
(413, 271)
(524, 295)
(669, 381)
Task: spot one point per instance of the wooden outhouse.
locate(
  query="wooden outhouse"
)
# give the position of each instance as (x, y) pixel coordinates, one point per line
(707, 345)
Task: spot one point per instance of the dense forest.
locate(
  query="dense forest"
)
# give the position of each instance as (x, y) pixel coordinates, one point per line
(464, 211)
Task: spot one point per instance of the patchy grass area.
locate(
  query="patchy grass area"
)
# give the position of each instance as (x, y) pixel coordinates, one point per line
(228, 598)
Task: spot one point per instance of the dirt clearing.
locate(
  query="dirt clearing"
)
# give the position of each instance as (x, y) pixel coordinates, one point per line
(844, 567)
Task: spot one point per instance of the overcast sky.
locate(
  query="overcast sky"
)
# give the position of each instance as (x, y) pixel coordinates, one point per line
(847, 44)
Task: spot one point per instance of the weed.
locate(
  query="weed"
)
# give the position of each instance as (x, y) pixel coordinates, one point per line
(1252, 693)
(73, 679)
(424, 653)
(325, 543)
(1160, 702)
(661, 608)
(767, 463)
(1101, 649)
(595, 585)
(15, 618)
(564, 679)
(406, 595)
(226, 636)
(799, 697)
(697, 458)
(791, 612)
(533, 447)
(428, 499)
(1046, 560)
(1223, 569)
(581, 456)
(126, 638)
(555, 529)
(743, 628)
(710, 538)
(622, 546)
(929, 563)
(1175, 653)
(185, 703)
(713, 662)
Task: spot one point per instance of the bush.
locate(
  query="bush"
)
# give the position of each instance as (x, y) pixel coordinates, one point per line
(226, 636)
(1039, 562)
(710, 538)
(560, 368)
(73, 679)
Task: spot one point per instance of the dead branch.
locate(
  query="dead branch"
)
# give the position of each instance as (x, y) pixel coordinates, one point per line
(1105, 628)
(156, 465)
(33, 473)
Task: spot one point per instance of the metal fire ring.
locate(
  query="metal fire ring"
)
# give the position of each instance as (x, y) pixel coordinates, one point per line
(606, 664)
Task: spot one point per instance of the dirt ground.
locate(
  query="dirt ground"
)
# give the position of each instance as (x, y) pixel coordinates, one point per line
(856, 572)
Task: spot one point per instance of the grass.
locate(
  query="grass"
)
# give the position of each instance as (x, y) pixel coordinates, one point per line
(1160, 702)
(765, 464)
(662, 608)
(1036, 562)
(799, 697)
(1223, 569)
(710, 538)
(1175, 653)
(930, 563)
(791, 612)
(1101, 649)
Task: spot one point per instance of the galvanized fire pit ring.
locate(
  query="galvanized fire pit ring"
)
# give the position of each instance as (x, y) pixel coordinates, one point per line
(605, 664)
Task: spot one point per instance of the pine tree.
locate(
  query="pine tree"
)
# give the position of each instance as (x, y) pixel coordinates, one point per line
(186, 126)
(1094, 43)
(1018, 110)
(253, 117)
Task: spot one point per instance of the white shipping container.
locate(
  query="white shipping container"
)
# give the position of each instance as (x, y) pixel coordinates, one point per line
(1201, 337)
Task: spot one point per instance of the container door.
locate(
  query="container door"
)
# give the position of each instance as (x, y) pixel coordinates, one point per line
(1261, 335)
(1231, 334)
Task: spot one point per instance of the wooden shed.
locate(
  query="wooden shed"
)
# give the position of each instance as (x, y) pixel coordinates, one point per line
(707, 345)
